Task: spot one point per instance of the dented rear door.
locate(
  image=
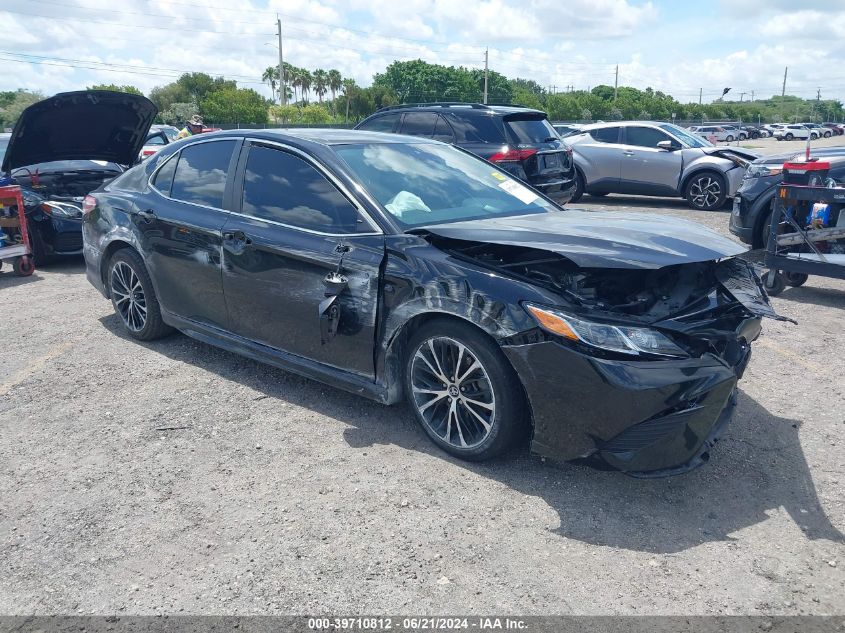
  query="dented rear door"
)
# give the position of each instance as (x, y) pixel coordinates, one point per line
(295, 229)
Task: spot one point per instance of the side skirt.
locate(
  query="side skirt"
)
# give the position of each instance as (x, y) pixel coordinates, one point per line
(320, 372)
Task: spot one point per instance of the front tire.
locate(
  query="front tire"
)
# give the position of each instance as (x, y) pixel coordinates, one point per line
(133, 297)
(789, 137)
(463, 391)
(729, 139)
(706, 191)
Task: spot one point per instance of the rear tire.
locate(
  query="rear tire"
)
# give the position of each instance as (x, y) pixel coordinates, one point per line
(133, 296)
(464, 393)
(579, 186)
(729, 139)
(789, 137)
(706, 191)
(827, 134)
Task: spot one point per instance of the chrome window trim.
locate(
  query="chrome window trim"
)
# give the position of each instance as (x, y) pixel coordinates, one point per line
(281, 146)
(328, 176)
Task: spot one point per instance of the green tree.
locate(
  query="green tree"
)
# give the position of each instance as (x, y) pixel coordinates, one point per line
(14, 104)
(321, 83)
(165, 96)
(178, 113)
(115, 88)
(335, 82)
(420, 81)
(499, 87)
(234, 105)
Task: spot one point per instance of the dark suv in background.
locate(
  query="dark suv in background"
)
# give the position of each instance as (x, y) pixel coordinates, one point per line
(752, 205)
(519, 140)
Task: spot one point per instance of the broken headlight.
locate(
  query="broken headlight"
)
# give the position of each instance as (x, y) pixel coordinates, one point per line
(615, 338)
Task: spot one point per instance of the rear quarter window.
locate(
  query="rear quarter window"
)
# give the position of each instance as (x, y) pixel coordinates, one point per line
(477, 129)
(605, 134)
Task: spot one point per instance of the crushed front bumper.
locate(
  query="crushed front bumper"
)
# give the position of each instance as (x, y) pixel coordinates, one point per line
(643, 417)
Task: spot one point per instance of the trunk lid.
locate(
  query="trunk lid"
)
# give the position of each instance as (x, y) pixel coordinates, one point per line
(85, 125)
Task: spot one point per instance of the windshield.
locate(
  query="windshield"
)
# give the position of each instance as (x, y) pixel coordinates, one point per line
(424, 183)
(685, 137)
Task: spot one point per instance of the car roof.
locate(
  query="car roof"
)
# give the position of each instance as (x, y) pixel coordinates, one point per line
(480, 109)
(317, 136)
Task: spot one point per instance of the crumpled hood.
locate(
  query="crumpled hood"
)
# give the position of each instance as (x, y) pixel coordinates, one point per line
(599, 239)
(742, 152)
(88, 124)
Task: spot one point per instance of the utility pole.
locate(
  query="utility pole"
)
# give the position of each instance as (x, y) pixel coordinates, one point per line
(486, 57)
(283, 89)
(752, 96)
(741, 96)
(616, 84)
(783, 92)
(700, 92)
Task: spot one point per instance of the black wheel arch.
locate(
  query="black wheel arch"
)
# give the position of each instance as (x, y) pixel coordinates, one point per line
(704, 169)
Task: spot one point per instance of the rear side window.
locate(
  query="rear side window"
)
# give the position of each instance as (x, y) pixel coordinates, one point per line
(134, 179)
(477, 129)
(606, 134)
(645, 136)
(164, 177)
(419, 123)
(281, 187)
(442, 131)
(158, 139)
(201, 173)
(386, 123)
(530, 131)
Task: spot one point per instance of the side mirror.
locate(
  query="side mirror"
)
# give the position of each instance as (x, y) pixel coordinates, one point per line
(669, 146)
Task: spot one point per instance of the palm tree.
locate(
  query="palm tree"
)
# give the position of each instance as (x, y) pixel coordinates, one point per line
(294, 79)
(321, 83)
(335, 82)
(271, 74)
(305, 81)
(349, 87)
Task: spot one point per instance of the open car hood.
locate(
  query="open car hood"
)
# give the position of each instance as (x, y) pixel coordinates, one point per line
(88, 124)
(598, 239)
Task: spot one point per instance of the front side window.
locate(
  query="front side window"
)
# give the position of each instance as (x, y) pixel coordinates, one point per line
(284, 188)
(201, 173)
(156, 139)
(428, 183)
(645, 136)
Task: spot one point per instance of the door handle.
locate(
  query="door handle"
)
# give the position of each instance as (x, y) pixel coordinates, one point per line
(628, 152)
(147, 215)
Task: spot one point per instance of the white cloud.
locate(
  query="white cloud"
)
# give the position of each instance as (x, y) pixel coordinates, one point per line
(554, 42)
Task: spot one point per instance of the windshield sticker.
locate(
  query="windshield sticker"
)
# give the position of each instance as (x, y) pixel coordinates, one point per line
(498, 176)
(524, 194)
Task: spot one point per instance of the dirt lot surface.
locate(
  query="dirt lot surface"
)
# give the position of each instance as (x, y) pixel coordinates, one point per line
(173, 477)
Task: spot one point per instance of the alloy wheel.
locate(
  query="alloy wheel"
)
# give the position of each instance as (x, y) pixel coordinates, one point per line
(128, 295)
(452, 392)
(705, 192)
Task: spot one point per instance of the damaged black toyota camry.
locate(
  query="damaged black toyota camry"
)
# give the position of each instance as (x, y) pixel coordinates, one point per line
(396, 267)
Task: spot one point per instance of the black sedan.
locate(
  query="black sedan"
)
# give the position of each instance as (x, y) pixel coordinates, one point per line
(398, 267)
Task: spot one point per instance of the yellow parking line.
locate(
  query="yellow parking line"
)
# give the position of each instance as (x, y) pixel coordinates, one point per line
(35, 366)
(786, 353)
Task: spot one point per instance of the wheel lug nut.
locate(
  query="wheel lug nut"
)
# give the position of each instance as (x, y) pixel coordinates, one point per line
(463, 388)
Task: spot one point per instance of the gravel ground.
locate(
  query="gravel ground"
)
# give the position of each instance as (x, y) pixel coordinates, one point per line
(173, 477)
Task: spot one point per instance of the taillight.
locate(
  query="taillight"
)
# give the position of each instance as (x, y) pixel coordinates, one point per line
(88, 204)
(512, 155)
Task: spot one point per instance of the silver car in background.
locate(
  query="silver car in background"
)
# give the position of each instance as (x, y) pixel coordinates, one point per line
(656, 159)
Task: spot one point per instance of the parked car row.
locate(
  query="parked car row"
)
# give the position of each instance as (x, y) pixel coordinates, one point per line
(404, 268)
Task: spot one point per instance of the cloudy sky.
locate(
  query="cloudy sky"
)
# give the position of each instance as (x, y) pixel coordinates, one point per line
(671, 45)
